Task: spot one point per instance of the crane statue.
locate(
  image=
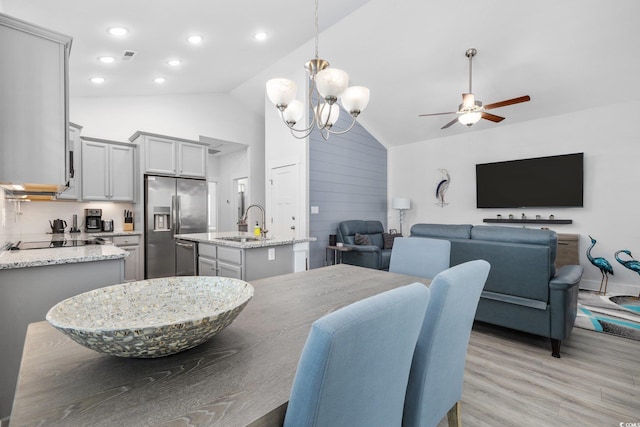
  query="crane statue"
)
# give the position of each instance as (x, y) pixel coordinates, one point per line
(632, 264)
(602, 264)
(442, 187)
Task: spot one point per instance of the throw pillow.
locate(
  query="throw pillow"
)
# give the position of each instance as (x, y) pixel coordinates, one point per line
(388, 239)
(361, 239)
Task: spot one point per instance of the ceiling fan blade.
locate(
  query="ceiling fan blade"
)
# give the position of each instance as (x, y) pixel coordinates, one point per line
(508, 102)
(437, 114)
(450, 123)
(492, 117)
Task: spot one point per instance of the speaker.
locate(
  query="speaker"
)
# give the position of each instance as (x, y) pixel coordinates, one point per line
(332, 239)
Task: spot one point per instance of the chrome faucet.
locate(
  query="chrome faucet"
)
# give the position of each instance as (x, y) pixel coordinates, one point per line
(263, 229)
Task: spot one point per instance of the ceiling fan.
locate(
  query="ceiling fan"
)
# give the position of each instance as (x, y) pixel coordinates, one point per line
(471, 111)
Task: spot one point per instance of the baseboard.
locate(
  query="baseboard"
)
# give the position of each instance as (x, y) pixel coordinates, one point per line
(615, 288)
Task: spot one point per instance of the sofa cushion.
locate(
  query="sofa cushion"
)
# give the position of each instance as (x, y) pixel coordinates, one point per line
(519, 235)
(361, 239)
(447, 231)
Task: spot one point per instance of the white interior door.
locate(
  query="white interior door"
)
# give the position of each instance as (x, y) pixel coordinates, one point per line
(284, 200)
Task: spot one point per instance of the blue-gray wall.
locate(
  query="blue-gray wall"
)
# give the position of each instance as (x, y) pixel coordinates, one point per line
(347, 180)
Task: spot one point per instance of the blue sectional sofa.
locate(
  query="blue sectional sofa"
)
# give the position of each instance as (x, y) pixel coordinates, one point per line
(524, 291)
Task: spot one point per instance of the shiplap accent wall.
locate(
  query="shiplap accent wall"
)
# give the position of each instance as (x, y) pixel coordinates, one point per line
(347, 180)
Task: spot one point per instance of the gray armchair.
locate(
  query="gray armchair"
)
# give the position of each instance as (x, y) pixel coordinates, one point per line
(370, 256)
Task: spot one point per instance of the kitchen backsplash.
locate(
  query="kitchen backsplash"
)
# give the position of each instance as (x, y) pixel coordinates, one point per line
(33, 217)
(6, 217)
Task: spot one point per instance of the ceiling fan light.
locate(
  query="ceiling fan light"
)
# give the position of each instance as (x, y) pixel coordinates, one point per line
(327, 114)
(469, 119)
(355, 99)
(331, 82)
(281, 92)
(293, 112)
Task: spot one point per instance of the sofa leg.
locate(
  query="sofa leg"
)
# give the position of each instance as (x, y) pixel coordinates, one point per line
(555, 347)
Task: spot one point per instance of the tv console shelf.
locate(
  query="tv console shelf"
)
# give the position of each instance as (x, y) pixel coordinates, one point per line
(527, 221)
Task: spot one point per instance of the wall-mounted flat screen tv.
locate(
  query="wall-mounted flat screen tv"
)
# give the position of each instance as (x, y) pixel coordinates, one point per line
(554, 181)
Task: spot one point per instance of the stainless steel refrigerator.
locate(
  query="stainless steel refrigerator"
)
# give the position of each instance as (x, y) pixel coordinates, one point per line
(172, 206)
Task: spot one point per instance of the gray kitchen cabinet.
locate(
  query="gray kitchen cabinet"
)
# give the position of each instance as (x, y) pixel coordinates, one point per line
(107, 170)
(245, 264)
(33, 103)
(132, 264)
(164, 155)
(72, 192)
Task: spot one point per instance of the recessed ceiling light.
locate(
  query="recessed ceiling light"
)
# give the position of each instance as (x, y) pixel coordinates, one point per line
(106, 59)
(260, 36)
(194, 39)
(97, 80)
(159, 80)
(174, 62)
(117, 31)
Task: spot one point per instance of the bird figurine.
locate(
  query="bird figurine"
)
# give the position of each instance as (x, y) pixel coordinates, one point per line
(632, 264)
(442, 187)
(602, 264)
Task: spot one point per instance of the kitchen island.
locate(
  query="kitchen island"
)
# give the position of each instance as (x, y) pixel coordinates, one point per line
(242, 255)
(242, 376)
(34, 280)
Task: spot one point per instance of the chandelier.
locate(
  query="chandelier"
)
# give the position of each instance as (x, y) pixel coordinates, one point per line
(327, 86)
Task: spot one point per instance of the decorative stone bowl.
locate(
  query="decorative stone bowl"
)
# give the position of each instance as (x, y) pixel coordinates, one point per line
(151, 318)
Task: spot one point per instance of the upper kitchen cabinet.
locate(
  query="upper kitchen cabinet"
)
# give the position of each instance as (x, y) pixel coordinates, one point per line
(107, 170)
(164, 155)
(33, 104)
(72, 192)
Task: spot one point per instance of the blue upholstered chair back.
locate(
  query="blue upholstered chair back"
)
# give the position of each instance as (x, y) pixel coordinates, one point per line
(419, 256)
(437, 371)
(354, 367)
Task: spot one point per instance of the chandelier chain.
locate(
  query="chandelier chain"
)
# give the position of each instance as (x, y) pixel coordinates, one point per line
(317, 32)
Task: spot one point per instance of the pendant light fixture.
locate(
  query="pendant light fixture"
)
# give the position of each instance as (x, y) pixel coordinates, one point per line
(329, 85)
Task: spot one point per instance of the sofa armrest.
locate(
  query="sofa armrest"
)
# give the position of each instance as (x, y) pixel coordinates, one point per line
(567, 277)
(563, 300)
(363, 248)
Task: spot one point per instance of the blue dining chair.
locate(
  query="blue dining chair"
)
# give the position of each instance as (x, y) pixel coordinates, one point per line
(420, 256)
(437, 370)
(355, 364)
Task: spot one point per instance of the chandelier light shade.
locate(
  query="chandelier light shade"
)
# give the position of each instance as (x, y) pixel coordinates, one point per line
(328, 85)
(281, 92)
(355, 99)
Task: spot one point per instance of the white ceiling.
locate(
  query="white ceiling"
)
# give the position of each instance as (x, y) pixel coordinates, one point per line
(567, 55)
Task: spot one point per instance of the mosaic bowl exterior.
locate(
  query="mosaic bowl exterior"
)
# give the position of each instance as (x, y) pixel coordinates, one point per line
(151, 318)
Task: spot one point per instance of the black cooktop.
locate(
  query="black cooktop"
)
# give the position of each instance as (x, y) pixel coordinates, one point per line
(64, 243)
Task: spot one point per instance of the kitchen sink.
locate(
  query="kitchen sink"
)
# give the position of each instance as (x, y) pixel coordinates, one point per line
(241, 239)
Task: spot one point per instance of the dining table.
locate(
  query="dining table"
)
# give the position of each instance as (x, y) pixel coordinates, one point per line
(240, 377)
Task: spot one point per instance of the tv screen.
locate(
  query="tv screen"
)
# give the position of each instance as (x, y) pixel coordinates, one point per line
(554, 181)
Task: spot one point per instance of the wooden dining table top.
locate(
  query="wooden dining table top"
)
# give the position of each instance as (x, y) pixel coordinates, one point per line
(242, 376)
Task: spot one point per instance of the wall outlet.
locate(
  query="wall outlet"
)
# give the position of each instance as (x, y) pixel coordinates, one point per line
(271, 254)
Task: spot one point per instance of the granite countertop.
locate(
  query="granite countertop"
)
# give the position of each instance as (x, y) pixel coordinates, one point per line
(61, 255)
(216, 239)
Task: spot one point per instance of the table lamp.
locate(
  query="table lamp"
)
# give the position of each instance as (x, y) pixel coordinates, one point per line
(401, 204)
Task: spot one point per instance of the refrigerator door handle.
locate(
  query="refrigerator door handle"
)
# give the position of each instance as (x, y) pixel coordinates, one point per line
(178, 215)
(174, 217)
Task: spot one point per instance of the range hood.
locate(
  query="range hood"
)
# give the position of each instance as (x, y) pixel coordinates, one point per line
(34, 105)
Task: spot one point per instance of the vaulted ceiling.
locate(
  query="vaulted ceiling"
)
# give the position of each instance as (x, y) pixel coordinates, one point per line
(567, 55)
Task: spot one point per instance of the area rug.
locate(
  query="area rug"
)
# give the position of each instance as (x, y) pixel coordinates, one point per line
(612, 314)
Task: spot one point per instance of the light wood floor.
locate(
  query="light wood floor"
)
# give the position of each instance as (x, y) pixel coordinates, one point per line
(512, 380)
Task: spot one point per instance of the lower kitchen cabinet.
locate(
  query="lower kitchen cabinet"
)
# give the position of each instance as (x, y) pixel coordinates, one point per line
(132, 264)
(245, 264)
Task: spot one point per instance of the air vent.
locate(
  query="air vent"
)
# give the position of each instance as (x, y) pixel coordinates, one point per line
(128, 55)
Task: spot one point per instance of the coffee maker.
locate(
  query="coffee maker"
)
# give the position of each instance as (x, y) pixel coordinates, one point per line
(93, 220)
